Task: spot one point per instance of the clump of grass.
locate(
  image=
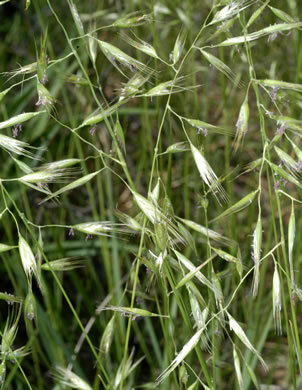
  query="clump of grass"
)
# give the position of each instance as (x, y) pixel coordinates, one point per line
(160, 178)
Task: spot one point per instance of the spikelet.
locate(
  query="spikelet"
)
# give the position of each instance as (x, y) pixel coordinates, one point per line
(179, 45)
(277, 301)
(237, 368)
(242, 123)
(10, 332)
(140, 45)
(18, 119)
(115, 56)
(99, 228)
(77, 183)
(220, 66)
(191, 267)
(28, 261)
(242, 336)
(211, 234)
(232, 9)
(208, 175)
(65, 264)
(238, 206)
(132, 19)
(126, 369)
(15, 146)
(291, 239)
(68, 378)
(256, 253)
(2, 373)
(107, 336)
(271, 30)
(187, 348)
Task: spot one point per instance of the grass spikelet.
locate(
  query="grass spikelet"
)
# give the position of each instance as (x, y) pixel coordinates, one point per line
(18, 353)
(242, 336)
(217, 291)
(277, 301)
(167, 87)
(76, 17)
(141, 45)
(237, 368)
(161, 236)
(156, 216)
(30, 307)
(297, 150)
(68, 378)
(252, 166)
(18, 119)
(46, 176)
(77, 183)
(153, 196)
(132, 87)
(271, 30)
(287, 176)
(200, 317)
(242, 123)
(128, 221)
(97, 117)
(208, 232)
(187, 348)
(179, 45)
(256, 253)
(291, 240)
(62, 164)
(133, 311)
(45, 98)
(186, 279)
(9, 298)
(225, 256)
(219, 65)
(152, 212)
(10, 332)
(3, 363)
(27, 69)
(239, 206)
(5, 248)
(232, 9)
(204, 127)
(107, 336)
(191, 267)
(115, 55)
(289, 162)
(178, 147)
(65, 264)
(196, 311)
(99, 228)
(208, 175)
(4, 92)
(126, 369)
(256, 14)
(132, 19)
(28, 260)
(282, 15)
(281, 84)
(23, 167)
(15, 146)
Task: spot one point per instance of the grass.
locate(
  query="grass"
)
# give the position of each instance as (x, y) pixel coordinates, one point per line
(150, 195)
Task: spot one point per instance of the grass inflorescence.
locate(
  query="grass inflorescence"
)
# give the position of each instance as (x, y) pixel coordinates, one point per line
(150, 194)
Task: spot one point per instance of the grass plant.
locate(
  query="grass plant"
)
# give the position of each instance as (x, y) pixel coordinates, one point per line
(150, 194)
